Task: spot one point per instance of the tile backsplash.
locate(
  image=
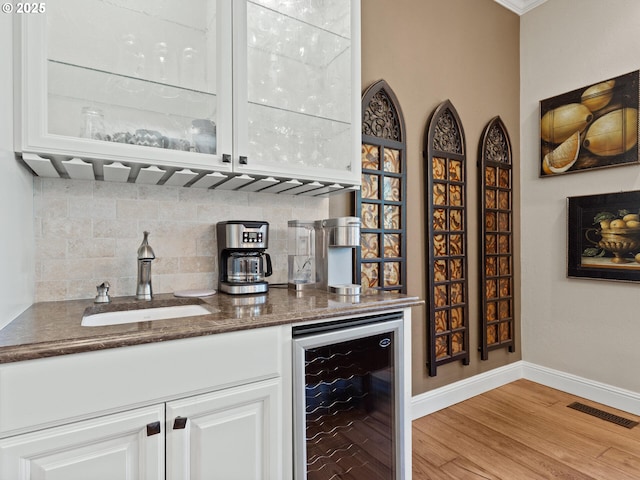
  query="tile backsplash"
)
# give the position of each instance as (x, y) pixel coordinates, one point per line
(87, 232)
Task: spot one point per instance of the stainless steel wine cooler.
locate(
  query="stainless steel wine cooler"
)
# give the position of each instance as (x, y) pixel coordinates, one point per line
(347, 400)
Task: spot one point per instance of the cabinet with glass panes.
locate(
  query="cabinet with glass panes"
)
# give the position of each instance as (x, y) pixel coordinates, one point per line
(260, 94)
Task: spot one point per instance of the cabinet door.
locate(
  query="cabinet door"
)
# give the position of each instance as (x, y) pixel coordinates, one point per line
(228, 435)
(125, 446)
(297, 78)
(136, 81)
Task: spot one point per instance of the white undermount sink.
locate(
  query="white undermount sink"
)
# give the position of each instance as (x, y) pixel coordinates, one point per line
(144, 315)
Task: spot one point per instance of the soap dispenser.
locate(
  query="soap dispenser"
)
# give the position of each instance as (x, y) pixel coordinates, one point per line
(145, 257)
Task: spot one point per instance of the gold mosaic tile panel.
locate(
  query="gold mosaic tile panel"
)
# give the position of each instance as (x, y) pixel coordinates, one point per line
(391, 245)
(369, 275)
(442, 325)
(457, 343)
(440, 296)
(369, 187)
(369, 245)
(369, 215)
(492, 288)
(455, 269)
(504, 244)
(505, 287)
(490, 176)
(456, 246)
(371, 157)
(490, 222)
(491, 267)
(491, 244)
(504, 200)
(442, 349)
(391, 274)
(503, 222)
(440, 270)
(492, 336)
(504, 178)
(504, 310)
(505, 331)
(455, 219)
(391, 189)
(455, 195)
(439, 194)
(455, 171)
(505, 266)
(392, 161)
(490, 196)
(457, 318)
(439, 245)
(439, 168)
(440, 219)
(392, 217)
(456, 293)
(492, 313)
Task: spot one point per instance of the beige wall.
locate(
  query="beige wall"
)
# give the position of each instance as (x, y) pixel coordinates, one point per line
(583, 327)
(429, 51)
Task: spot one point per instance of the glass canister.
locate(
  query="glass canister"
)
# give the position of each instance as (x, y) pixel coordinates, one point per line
(302, 258)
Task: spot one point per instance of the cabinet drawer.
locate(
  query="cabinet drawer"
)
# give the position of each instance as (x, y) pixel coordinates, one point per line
(39, 393)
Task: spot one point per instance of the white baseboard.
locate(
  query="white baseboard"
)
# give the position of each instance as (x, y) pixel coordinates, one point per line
(443, 397)
(615, 397)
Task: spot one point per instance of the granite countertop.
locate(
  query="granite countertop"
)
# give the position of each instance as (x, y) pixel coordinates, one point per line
(49, 329)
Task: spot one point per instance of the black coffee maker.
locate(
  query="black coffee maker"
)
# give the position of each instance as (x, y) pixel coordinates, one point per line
(243, 262)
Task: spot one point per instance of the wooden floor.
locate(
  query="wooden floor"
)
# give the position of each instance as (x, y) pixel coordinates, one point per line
(523, 431)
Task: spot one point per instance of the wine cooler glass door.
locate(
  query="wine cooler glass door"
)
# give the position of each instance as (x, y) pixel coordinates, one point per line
(347, 403)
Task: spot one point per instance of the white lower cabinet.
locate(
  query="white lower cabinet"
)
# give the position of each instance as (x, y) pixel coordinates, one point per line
(226, 435)
(121, 446)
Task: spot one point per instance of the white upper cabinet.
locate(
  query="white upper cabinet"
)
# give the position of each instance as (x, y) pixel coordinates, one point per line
(227, 93)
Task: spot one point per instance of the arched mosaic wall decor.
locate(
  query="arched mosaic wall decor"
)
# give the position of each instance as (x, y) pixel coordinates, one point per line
(380, 203)
(446, 238)
(496, 255)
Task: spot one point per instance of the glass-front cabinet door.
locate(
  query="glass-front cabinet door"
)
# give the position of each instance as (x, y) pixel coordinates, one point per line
(129, 79)
(298, 88)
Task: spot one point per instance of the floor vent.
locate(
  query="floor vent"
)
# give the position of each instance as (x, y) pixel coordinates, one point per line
(609, 417)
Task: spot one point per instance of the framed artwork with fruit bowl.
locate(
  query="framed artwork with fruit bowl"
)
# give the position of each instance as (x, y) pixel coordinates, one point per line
(595, 126)
(604, 236)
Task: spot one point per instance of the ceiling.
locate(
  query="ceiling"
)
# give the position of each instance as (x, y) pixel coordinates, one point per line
(520, 6)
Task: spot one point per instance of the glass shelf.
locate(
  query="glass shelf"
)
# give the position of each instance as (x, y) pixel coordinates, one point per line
(127, 104)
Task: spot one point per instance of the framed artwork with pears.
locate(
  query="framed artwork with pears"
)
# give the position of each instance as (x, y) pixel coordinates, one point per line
(592, 127)
(604, 236)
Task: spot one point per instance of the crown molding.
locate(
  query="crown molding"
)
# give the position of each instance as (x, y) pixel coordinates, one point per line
(520, 6)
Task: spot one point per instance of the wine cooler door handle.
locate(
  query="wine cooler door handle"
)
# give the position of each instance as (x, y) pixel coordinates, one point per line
(180, 423)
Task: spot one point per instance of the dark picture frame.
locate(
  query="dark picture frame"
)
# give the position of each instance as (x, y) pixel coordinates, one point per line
(599, 246)
(592, 127)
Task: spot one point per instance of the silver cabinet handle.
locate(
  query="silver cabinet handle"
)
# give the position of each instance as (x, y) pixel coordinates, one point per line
(243, 160)
(226, 158)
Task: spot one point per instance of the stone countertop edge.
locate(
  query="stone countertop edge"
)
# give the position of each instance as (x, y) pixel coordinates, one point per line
(49, 329)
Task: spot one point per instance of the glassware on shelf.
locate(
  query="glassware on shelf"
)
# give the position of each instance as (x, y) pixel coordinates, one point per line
(203, 133)
(92, 123)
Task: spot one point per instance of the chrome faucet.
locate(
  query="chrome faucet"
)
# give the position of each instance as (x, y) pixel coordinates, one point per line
(145, 257)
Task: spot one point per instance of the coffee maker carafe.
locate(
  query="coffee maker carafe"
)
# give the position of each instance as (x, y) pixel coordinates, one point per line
(243, 262)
